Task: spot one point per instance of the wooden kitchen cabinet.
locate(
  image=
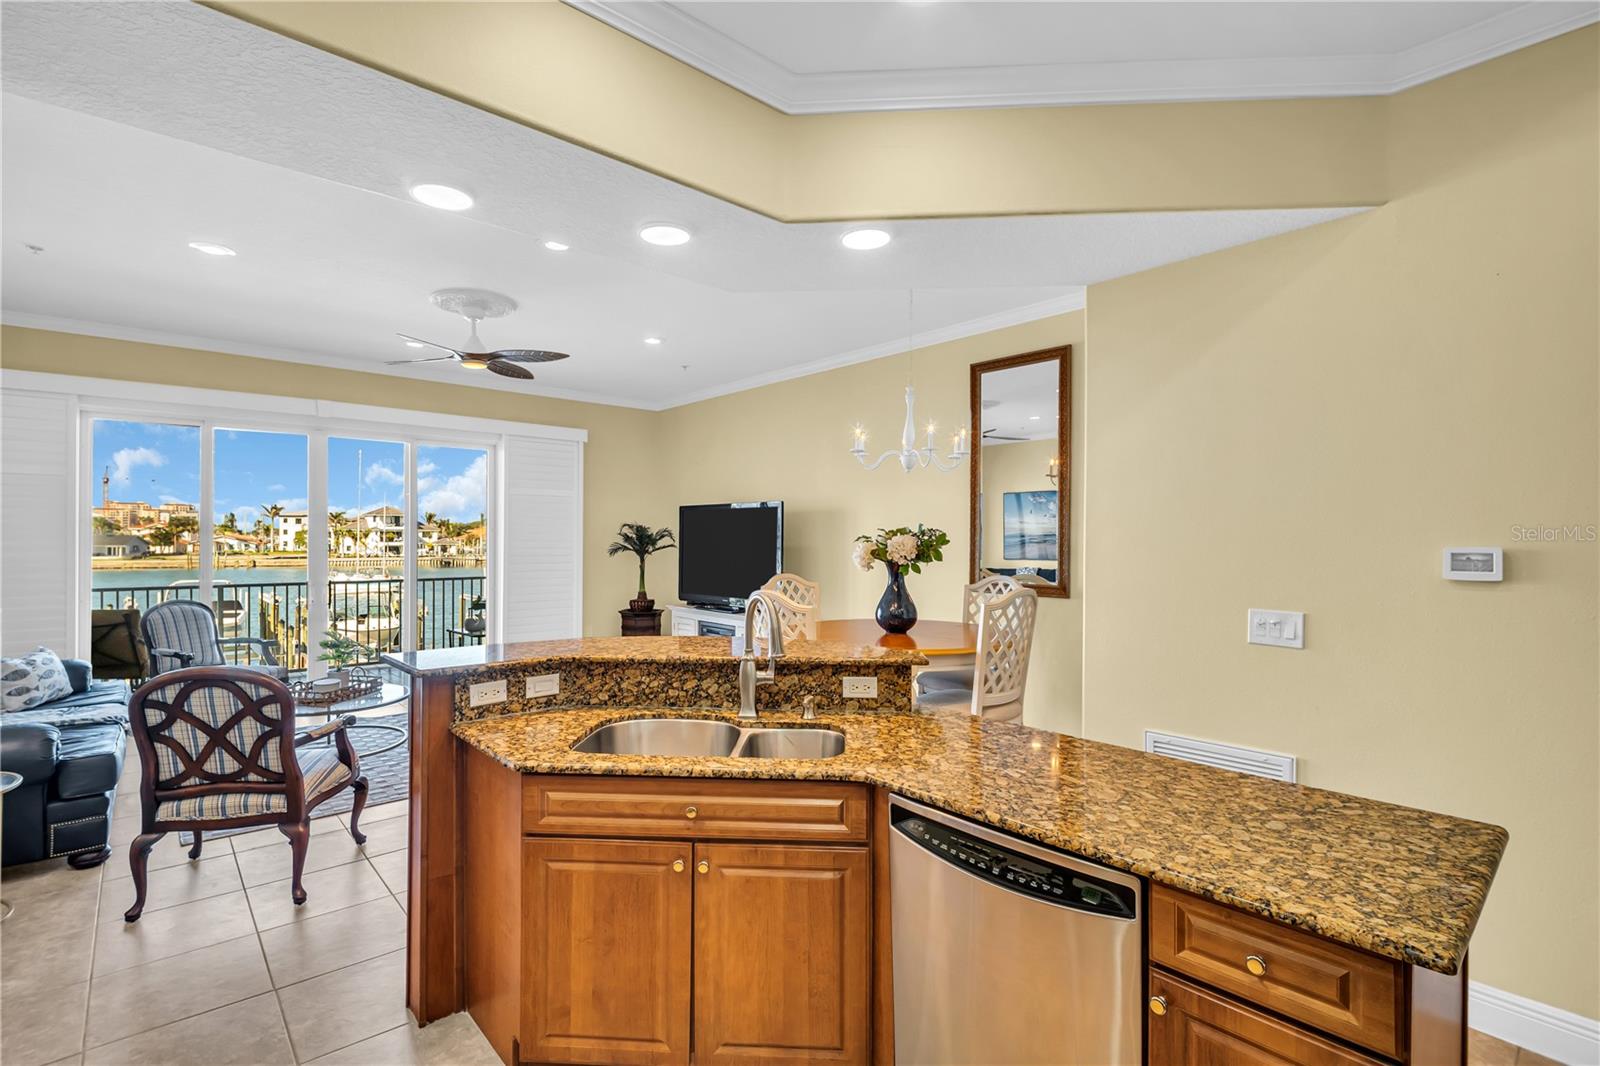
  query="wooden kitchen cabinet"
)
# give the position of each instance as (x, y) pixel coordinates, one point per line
(782, 954)
(1192, 1027)
(606, 943)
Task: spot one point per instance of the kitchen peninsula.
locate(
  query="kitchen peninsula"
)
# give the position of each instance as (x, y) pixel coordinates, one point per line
(1307, 924)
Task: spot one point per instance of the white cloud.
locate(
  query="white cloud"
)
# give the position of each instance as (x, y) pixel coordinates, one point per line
(426, 467)
(165, 498)
(246, 515)
(276, 488)
(459, 497)
(298, 503)
(381, 474)
(126, 459)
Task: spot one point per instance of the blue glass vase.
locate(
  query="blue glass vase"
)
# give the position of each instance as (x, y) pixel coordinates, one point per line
(896, 612)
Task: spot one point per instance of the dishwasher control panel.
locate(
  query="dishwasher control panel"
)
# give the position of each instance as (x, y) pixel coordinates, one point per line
(1023, 874)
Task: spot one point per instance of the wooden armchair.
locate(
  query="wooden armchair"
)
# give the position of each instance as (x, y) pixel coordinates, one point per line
(218, 750)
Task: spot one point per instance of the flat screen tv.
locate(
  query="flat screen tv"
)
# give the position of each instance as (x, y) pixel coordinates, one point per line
(728, 550)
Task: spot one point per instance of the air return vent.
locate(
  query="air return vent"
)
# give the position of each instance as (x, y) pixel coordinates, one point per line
(1226, 756)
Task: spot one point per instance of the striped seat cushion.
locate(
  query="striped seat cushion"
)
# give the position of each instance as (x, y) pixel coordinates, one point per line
(319, 765)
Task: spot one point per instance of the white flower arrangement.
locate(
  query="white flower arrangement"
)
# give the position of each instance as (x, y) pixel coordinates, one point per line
(902, 549)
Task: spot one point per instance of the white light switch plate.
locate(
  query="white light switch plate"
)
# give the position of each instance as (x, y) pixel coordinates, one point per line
(861, 688)
(544, 685)
(1277, 629)
(486, 692)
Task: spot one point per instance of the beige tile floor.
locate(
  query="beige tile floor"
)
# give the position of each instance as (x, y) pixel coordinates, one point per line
(222, 968)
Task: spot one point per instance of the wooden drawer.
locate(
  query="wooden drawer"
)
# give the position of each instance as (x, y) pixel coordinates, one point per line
(1200, 1028)
(1338, 989)
(694, 809)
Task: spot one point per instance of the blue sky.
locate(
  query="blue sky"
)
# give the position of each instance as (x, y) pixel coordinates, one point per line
(161, 463)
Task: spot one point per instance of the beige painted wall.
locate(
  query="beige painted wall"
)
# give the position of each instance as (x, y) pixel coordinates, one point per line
(1016, 467)
(620, 481)
(555, 69)
(1306, 422)
(789, 441)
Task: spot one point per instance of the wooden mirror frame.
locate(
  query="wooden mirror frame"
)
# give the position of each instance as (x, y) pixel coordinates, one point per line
(1063, 583)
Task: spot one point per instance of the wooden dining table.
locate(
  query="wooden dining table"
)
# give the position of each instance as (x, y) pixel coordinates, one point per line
(945, 642)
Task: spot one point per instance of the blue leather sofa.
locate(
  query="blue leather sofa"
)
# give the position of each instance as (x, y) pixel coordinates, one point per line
(69, 752)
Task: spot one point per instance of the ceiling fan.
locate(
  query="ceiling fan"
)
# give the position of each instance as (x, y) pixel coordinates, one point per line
(475, 305)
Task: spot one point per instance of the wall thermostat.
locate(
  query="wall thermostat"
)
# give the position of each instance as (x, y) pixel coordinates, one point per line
(1473, 564)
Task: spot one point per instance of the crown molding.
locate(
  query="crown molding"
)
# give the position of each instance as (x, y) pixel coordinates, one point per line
(667, 28)
(1072, 301)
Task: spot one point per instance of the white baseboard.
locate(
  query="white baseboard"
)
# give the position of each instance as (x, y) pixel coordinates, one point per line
(1552, 1032)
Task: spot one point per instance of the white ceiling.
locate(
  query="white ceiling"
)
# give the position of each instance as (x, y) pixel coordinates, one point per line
(131, 129)
(1020, 402)
(811, 57)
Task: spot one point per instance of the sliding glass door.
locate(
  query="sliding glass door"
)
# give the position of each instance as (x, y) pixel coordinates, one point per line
(452, 545)
(335, 548)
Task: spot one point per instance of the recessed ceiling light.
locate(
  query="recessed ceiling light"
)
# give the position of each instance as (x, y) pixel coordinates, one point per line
(556, 246)
(865, 240)
(652, 340)
(212, 249)
(1033, 418)
(415, 344)
(664, 234)
(444, 197)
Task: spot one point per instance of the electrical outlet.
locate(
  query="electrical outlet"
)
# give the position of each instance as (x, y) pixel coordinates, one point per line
(486, 692)
(544, 685)
(860, 688)
(1277, 629)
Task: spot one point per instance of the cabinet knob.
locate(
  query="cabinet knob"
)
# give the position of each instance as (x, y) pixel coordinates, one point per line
(1158, 1005)
(677, 866)
(1256, 965)
(691, 813)
(703, 866)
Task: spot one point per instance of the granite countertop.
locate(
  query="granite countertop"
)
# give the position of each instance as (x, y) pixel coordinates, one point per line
(631, 650)
(1399, 882)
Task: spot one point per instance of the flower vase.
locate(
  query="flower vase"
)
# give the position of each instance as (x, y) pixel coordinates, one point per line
(896, 613)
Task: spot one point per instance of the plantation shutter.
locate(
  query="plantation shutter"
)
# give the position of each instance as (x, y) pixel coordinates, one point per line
(38, 572)
(541, 533)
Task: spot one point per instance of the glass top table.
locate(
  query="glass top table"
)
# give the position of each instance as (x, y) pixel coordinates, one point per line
(367, 706)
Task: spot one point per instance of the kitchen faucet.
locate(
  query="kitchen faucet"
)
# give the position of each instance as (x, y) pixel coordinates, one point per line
(750, 675)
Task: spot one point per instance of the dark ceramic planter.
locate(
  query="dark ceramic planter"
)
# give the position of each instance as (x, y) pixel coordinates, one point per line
(896, 613)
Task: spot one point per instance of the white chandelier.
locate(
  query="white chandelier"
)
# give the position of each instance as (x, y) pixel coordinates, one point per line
(911, 457)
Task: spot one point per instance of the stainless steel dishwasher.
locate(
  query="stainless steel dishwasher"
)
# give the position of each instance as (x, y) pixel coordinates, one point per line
(1006, 952)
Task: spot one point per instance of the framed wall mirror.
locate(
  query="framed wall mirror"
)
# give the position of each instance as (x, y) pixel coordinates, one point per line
(1021, 468)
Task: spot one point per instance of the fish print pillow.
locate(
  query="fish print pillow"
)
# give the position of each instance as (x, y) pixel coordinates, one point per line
(32, 679)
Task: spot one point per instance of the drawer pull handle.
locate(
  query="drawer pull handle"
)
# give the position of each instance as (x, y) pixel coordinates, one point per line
(677, 866)
(703, 866)
(1158, 1005)
(1256, 965)
(691, 813)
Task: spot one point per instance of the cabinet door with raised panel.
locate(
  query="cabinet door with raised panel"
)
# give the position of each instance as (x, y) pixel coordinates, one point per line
(1190, 1026)
(782, 954)
(606, 951)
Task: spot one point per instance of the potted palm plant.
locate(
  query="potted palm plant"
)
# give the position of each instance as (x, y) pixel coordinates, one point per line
(641, 540)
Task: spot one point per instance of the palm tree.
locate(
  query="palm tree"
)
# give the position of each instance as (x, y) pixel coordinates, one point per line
(641, 540)
(229, 523)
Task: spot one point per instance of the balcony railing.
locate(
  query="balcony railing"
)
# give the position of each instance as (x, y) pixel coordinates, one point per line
(366, 610)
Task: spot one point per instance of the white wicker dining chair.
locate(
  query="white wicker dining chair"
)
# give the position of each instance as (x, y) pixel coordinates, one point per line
(994, 686)
(973, 597)
(799, 607)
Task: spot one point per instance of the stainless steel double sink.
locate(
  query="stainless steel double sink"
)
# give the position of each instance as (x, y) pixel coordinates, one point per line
(694, 736)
